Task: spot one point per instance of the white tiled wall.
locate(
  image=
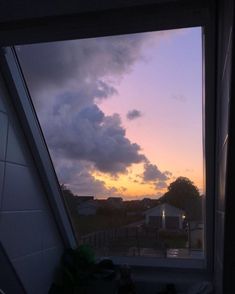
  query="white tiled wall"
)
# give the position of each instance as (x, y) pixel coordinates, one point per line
(28, 230)
(16, 148)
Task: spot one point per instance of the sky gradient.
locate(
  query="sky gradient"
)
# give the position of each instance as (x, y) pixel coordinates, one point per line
(122, 115)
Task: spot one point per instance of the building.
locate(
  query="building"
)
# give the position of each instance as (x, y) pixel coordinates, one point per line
(114, 202)
(87, 208)
(81, 199)
(165, 216)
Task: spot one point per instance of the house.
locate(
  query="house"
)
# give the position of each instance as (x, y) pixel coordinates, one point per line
(165, 216)
(87, 208)
(81, 199)
(114, 202)
(149, 203)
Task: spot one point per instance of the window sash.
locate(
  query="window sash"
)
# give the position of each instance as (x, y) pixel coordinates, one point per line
(21, 99)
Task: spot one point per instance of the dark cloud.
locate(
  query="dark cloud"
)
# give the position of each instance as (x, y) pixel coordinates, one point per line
(77, 177)
(82, 64)
(86, 95)
(66, 81)
(161, 185)
(90, 135)
(152, 173)
(133, 114)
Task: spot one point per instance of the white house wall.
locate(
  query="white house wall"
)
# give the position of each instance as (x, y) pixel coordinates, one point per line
(28, 231)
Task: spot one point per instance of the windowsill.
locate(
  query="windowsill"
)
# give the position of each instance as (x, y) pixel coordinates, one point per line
(155, 273)
(178, 263)
(148, 279)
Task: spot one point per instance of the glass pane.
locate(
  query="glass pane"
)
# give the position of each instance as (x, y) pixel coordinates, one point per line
(122, 117)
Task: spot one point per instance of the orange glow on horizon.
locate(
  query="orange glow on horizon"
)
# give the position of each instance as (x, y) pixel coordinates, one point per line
(131, 186)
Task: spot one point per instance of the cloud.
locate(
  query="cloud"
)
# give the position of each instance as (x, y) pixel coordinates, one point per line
(179, 97)
(161, 185)
(90, 135)
(85, 184)
(123, 189)
(78, 177)
(67, 81)
(133, 114)
(152, 173)
(189, 170)
(82, 65)
(168, 173)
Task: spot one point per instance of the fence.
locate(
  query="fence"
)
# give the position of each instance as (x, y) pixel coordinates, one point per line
(124, 240)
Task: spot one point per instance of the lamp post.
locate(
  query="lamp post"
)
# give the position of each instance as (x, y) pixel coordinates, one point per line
(186, 219)
(163, 219)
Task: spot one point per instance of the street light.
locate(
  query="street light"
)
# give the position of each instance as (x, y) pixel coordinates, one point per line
(163, 219)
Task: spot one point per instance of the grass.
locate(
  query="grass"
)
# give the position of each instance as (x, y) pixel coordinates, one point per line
(174, 239)
(177, 242)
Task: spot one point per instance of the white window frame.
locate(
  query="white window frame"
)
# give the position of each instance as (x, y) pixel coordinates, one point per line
(158, 20)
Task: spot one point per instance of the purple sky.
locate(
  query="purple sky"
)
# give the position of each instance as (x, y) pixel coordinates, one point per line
(122, 115)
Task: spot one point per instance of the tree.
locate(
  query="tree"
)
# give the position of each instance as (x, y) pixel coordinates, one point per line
(182, 193)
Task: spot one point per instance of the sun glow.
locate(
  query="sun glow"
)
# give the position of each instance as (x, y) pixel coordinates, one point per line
(130, 185)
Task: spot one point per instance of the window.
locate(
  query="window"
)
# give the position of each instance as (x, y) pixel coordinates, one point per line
(122, 118)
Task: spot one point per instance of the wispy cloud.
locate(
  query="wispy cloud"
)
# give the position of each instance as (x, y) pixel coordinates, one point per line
(179, 97)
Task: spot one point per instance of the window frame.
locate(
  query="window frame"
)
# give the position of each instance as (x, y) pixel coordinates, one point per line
(151, 18)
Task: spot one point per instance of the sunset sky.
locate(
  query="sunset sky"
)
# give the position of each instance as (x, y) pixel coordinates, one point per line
(122, 115)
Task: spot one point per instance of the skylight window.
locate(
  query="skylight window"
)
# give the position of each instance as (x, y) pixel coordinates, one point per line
(122, 118)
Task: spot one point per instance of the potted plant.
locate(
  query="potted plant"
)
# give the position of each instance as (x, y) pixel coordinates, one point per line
(79, 273)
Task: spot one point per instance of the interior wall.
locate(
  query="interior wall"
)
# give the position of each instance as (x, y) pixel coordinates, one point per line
(229, 236)
(28, 231)
(223, 209)
(9, 282)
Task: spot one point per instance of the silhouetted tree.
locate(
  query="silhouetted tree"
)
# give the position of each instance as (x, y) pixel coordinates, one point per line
(182, 193)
